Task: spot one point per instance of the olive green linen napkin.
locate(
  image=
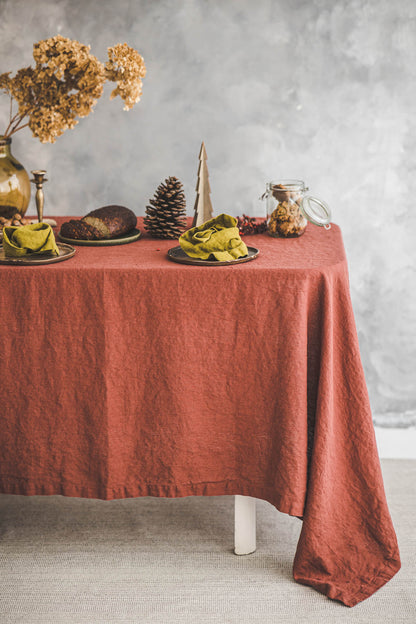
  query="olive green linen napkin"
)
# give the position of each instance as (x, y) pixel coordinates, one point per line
(37, 238)
(218, 238)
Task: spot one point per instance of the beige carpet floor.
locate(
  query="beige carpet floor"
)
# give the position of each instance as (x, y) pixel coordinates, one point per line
(165, 561)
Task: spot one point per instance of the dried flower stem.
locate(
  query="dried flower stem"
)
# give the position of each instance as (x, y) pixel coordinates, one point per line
(18, 126)
(11, 121)
(14, 125)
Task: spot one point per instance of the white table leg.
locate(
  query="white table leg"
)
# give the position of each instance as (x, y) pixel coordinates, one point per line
(244, 525)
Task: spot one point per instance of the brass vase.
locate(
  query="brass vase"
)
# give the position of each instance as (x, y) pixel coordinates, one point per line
(14, 182)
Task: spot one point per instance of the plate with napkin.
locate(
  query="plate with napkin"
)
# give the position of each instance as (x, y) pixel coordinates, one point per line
(216, 242)
(32, 244)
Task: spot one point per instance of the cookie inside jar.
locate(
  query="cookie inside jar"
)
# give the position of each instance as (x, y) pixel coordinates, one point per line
(284, 212)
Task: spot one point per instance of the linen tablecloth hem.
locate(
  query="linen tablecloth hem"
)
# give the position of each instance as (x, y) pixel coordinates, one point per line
(228, 487)
(351, 598)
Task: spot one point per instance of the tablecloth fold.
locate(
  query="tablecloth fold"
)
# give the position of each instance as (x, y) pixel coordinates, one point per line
(347, 547)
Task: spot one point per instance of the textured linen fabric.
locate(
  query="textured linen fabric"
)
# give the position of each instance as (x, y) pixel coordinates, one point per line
(124, 374)
(37, 238)
(216, 239)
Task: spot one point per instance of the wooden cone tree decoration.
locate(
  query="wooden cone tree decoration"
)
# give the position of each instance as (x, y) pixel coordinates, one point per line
(203, 206)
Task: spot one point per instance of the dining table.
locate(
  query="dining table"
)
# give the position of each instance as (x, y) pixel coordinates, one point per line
(125, 374)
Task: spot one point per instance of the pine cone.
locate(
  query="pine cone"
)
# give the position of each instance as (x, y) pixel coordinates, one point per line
(166, 216)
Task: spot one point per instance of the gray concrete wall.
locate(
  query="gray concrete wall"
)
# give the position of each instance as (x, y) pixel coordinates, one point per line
(322, 90)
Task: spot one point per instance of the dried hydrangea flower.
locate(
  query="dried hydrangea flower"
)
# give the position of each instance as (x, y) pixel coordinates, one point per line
(126, 67)
(66, 83)
(5, 81)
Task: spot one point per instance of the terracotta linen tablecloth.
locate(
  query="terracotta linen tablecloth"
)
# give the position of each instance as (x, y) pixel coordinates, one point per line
(124, 374)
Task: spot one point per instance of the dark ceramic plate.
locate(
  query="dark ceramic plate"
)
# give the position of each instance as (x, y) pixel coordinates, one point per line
(130, 237)
(178, 255)
(65, 252)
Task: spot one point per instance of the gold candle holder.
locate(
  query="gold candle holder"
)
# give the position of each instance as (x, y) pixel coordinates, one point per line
(39, 179)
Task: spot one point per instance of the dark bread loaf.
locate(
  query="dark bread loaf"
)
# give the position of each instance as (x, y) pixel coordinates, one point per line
(106, 222)
(78, 230)
(111, 221)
